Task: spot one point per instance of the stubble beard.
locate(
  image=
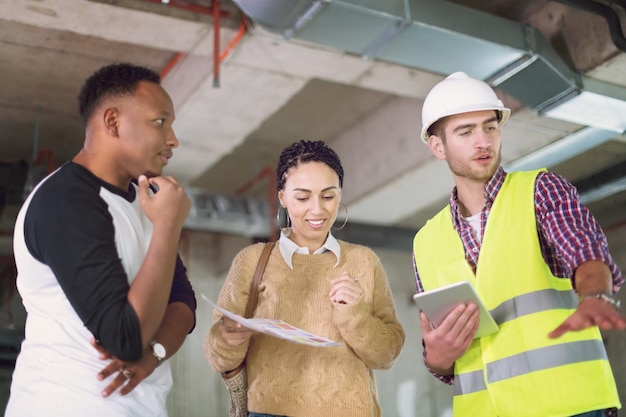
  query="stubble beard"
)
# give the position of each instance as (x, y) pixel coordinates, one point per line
(462, 169)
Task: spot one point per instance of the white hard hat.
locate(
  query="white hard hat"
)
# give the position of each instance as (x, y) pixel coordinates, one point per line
(459, 93)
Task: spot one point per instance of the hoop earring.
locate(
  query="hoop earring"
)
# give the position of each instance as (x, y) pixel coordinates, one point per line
(282, 218)
(345, 220)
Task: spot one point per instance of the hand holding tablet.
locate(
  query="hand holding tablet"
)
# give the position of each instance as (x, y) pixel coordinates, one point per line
(438, 303)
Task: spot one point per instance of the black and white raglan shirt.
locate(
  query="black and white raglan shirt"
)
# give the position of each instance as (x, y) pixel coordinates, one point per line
(78, 244)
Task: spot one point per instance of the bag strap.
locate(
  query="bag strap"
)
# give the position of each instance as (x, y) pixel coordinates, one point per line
(253, 297)
(256, 280)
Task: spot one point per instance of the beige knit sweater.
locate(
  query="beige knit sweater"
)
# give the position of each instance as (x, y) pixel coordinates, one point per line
(295, 380)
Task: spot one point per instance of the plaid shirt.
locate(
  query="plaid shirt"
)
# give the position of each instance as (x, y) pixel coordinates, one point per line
(568, 234)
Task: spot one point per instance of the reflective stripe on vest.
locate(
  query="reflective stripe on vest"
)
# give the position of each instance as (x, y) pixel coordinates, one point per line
(534, 302)
(530, 361)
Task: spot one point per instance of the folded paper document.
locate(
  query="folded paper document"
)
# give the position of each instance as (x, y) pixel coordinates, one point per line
(276, 328)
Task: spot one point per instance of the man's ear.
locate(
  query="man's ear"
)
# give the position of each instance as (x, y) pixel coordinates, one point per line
(111, 120)
(435, 143)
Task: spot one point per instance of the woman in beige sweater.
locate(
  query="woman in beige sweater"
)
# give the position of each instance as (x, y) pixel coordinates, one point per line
(313, 281)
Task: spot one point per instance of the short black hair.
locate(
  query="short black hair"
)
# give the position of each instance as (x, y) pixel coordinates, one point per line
(307, 151)
(113, 80)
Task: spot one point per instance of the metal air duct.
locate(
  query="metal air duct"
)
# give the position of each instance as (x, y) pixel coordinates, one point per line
(243, 216)
(439, 37)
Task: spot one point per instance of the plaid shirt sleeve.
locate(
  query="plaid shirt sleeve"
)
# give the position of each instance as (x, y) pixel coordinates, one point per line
(570, 234)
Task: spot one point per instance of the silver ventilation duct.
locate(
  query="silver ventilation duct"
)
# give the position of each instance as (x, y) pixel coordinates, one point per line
(443, 37)
(236, 215)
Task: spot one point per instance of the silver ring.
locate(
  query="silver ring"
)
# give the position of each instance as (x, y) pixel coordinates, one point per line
(128, 373)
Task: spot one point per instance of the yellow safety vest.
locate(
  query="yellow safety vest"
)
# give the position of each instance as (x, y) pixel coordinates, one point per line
(517, 371)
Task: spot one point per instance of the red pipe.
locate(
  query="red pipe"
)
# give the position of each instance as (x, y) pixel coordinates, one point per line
(214, 11)
(171, 64)
(227, 51)
(189, 7)
(271, 195)
(222, 57)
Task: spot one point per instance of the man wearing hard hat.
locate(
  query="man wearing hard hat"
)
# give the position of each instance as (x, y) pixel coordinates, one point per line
(538, 260)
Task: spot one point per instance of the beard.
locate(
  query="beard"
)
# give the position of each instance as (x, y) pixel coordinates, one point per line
(465, 169)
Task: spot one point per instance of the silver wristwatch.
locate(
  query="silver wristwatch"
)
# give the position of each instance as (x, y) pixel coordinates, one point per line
(603, 296)
(159, 352)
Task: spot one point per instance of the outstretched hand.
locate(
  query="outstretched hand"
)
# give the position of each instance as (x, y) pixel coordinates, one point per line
(127, 374)
(591, 312)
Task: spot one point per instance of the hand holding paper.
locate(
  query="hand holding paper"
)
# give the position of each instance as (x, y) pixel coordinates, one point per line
(276, 328)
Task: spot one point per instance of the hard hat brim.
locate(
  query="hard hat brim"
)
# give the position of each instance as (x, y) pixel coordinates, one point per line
(504, 116)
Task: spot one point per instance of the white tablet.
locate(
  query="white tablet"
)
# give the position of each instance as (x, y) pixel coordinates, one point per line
(437, 303)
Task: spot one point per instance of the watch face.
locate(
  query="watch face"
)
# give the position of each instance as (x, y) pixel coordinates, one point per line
(158, 350)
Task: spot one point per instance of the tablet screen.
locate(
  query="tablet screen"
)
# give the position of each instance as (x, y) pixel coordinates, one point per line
(438, 303)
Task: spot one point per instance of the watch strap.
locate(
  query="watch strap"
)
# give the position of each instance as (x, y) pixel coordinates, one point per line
(609, 298)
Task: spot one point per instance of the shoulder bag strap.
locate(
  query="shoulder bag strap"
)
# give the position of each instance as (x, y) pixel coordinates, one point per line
(253, 298)
(256, 280)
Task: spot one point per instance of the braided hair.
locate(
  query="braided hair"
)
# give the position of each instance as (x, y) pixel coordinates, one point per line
(306, 151)
(113, 80)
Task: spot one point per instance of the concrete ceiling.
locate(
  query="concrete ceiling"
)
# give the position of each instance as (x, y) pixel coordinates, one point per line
(270, 92)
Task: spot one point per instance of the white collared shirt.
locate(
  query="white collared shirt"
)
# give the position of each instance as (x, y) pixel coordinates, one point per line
(288, 247)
